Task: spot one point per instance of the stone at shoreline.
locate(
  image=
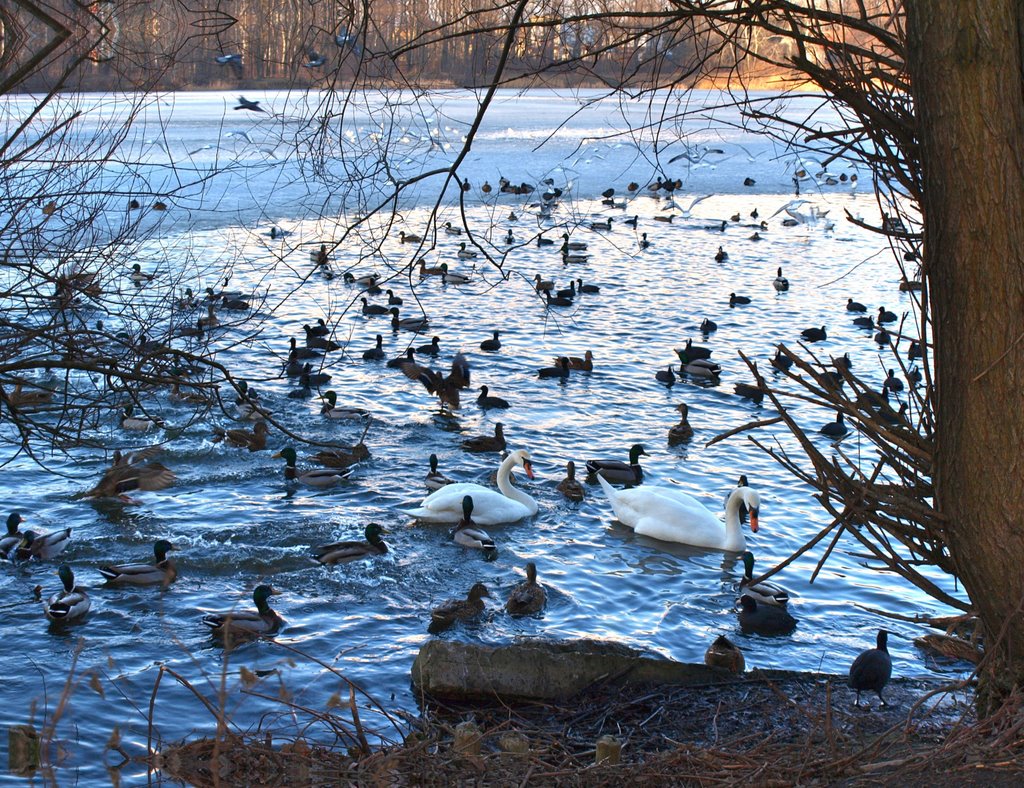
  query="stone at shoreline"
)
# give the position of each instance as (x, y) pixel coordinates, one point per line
(547, 670)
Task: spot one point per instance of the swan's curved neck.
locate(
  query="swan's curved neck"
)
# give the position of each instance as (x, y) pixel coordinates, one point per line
(733, 526)
(509, 490)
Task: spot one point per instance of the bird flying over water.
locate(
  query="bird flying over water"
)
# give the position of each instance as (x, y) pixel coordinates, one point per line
(253, 106)
(234, 60)
(346, 39)
(315, 59)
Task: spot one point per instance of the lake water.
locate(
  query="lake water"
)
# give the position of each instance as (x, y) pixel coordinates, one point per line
(236, 521)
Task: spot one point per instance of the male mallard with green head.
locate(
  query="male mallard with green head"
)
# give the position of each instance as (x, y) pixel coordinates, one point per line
(71, 602)
(343, 552)
(315, 477)
(618, 472)
(469, 534)
(247, 624)
(162, 572)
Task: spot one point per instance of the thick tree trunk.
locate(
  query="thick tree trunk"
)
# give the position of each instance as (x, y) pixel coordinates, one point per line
(964, 58)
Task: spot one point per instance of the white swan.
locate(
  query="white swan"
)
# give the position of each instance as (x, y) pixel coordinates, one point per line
(671, 515)
(490, 507)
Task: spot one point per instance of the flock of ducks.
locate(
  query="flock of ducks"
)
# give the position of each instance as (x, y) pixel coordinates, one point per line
(661, 512)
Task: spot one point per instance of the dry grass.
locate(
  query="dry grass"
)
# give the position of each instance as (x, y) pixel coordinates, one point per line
(763, 732)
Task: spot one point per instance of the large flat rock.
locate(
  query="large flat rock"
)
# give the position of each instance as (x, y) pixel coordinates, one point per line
(543, 670)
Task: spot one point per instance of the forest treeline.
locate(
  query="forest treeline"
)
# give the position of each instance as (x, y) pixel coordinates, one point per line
(171, 45)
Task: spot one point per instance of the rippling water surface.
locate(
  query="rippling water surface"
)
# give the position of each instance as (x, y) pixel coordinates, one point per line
(237, 523)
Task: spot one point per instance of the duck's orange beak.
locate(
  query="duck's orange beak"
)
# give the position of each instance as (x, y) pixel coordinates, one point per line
(528, 468)
(753, 520)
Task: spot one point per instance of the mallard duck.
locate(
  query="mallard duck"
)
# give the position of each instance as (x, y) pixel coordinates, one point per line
(426, 270)
(576, 246)
(316, 477)
(138, 423)
(573, 257)
(617, 471)
(138, 275)
(552, 300)
(764, 619)
(373, 309)
(468, 534)
(246, 624)
(450, 230)
(491, 344)
(409, 238)
(681, 431)
(703, 369)
(343, 552)
(723, 653)
(780, 283)
(332, 410)
(322, 343)
(71, 602)
(586, 364)
(14, 537)
(872, 669)
(376, 353)
(453, 277)
(486, 401)
(408, 323)
(504, 505)
(605, 224)
(692, 352)
(764, 593)
(570, 486)
(542, 285)
(435, 480)
(487, 443)
(42, 546)
(186, 397)
(529, 596)
(749, 391)
(342, 457)
(445, 387)
(452, 610)
(163, 571)
(296, 353)
(17, 398)
(672, 515)
(128, 473)
(738, 300)
(814, 334)
(256, 440)
(464, 253)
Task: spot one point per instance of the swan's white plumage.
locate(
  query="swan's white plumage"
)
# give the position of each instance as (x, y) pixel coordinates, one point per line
(671, 515)
(490, 507)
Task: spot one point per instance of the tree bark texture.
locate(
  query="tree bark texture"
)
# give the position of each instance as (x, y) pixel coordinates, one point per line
(964, 58)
